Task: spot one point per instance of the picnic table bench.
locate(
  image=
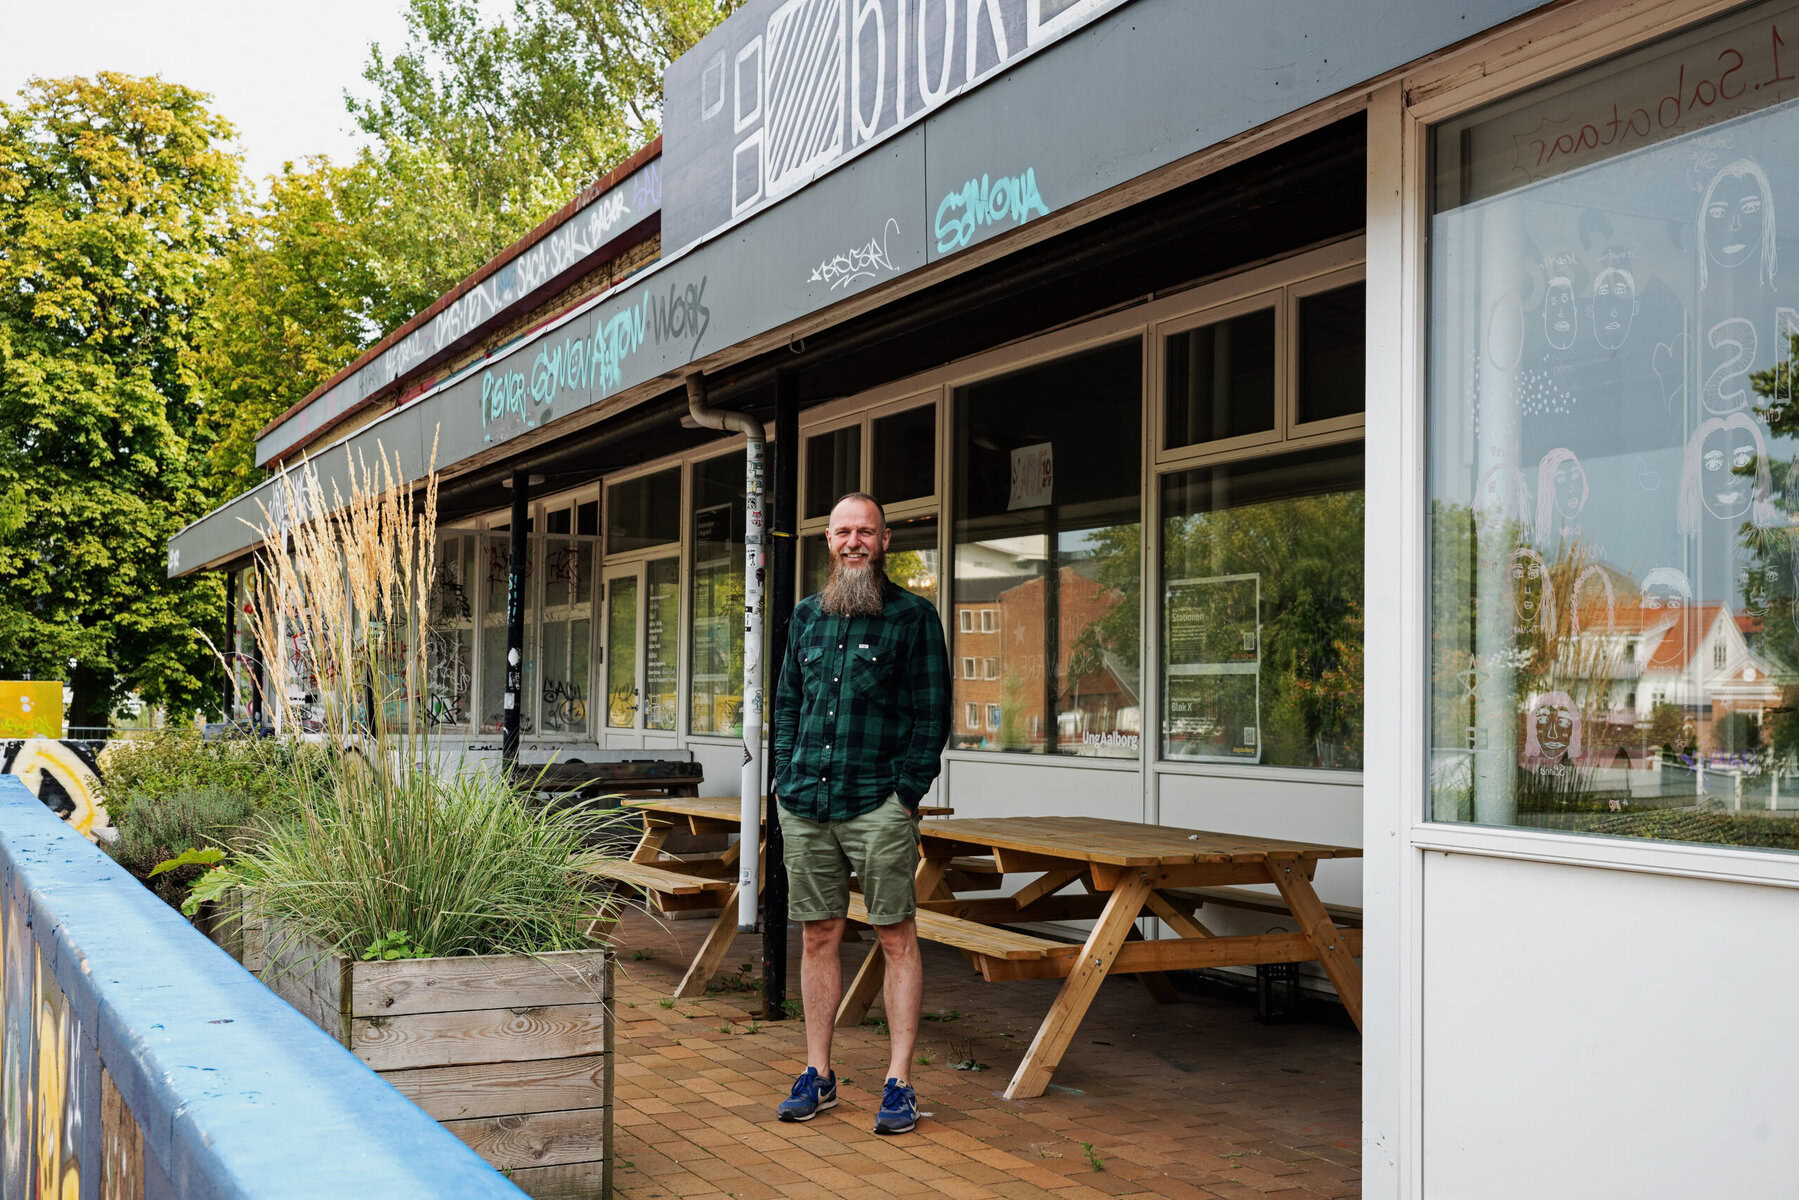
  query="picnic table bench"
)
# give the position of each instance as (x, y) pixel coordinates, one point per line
(704, 881)
(1126, 871)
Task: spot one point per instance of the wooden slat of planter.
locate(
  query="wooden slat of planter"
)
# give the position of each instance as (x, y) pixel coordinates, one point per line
(478, 1035)
(536, 1139)
(454, 984)
(499, 1089)
(570, 1181)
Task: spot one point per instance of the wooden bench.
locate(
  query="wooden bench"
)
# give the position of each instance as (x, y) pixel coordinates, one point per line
(986, 941)
(660, 880)
(1346, 915)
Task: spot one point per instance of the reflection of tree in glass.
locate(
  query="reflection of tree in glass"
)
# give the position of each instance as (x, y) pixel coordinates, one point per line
(1769, 572)
(1308, 552)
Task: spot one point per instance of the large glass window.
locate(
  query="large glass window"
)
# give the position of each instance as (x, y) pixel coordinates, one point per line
(450, 636)
(1218, 380)
(905, 455)
(1614, 448)
(643, 512)
(833, 468)
(1053, 554)
(718, 555)
(1261, 611)
(568, 569)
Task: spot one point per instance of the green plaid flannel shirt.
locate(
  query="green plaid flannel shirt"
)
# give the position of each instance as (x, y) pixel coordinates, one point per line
(862, 708)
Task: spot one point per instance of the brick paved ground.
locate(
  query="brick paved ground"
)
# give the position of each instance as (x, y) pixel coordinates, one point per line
(1183, 1101)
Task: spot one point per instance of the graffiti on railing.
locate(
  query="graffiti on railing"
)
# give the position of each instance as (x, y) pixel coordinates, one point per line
(66, 776)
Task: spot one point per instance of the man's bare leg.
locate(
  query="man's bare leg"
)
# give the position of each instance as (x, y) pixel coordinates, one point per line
(903, 994)
(821, 987)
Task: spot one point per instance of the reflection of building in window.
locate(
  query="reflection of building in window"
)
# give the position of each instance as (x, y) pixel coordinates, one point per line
(990, 668)
(1102, 699)
(990, 620)
(968, 668)
(993, 716)
(971, 717)
(975, 647)
(967, 619)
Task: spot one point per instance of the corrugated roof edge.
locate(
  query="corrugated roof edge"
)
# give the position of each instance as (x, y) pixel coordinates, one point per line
(586, 196)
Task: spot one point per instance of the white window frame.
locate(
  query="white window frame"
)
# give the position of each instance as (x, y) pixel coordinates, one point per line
(990, 620)
(971, 714)
(968, 670)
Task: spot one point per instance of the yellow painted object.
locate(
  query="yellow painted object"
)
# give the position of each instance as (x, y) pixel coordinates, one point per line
(66, 777)
(31, 708)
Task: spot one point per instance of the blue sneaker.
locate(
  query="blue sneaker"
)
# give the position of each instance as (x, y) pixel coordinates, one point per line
(812, 1094)
(899, 1109)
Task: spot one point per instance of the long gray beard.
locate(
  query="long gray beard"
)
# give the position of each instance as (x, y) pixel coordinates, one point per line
(855, 592)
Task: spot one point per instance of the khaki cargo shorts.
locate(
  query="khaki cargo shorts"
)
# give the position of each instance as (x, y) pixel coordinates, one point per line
(880, 847)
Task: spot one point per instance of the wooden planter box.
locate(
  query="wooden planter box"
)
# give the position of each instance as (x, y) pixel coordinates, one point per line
(236, 926)
(512, 1053)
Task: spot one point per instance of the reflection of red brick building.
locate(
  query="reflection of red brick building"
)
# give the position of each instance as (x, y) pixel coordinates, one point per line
(976, 635)
(1080, 602)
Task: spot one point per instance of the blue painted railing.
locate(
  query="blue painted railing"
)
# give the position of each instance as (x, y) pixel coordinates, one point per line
(138, 1060)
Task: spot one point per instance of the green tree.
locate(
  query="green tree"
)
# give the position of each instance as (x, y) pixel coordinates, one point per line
(481, 130)
(114, 195)
(293, 299)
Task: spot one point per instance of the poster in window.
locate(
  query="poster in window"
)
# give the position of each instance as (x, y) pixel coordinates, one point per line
(1213, 643)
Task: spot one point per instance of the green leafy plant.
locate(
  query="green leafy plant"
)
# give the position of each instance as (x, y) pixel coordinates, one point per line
(642, 954)
(189, 858)
(924, 1060)
(394, 944)
(666, 1001)
(1093, 1159)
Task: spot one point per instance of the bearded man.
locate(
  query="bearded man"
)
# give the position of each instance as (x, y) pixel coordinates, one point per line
(862, 712)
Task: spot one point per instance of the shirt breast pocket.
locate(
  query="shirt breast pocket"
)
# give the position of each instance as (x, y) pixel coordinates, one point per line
(871, 669)
(812, 668)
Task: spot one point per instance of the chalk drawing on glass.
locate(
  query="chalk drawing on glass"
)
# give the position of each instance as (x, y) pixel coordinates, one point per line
(1561, 494)
(1615, 305)
(1764, 574)
(1593, 603)
(1505, 496)
(1561, 318)
(1670, 363)
(1725, 473)
(1552, 732)
(1720, 393)
(1648, 478)
(1736, 221)
(1666, 595)
(712, 86)
(1533, 596)
(746, 92)
(804, 89)
(1505, 332)
(746, 173)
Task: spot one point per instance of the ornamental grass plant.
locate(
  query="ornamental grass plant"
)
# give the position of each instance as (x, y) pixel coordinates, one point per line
(390, 846)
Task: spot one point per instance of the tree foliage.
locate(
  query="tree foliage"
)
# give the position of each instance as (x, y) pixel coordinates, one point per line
(294, 298)
(114, 197)
(481, 130)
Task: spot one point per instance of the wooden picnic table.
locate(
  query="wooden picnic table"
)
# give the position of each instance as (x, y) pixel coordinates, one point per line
(1127, 870)
(692, 881)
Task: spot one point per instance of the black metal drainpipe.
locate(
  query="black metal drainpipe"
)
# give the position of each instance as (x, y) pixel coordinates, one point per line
(514, 702)
(781, 560)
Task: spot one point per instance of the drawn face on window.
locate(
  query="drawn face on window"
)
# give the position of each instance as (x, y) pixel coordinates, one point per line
(1527, 586)
(1555, 729)
(1723, 460)
(1614, 306)
(1764, 579)
(1733, 218)
(1559, 321)
(1570, 488)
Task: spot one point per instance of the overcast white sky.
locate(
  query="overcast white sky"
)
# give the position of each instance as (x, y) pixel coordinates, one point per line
(275, 70)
